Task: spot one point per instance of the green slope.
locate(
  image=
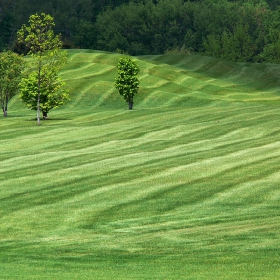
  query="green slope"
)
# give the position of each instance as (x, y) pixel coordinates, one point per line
(183, 187)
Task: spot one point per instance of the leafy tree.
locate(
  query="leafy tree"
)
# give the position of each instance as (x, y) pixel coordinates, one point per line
(83, 36)
(11, 67)
(155, 26)
(235, 46)
(271, 52)
(45, 51)
(52, 93)
(127, 82)
(144, 27)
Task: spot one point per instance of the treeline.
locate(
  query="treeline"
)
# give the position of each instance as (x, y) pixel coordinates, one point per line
(245, 30)
(74, 19)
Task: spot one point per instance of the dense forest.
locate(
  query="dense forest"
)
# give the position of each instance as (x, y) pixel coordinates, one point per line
(240, 30)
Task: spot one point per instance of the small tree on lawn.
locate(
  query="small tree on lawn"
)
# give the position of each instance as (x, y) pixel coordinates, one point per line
(127, 82)
(52, 94)
(11, 67)
(46, 58)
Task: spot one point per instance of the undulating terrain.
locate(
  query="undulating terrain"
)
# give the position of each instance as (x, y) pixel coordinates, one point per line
(185, 186)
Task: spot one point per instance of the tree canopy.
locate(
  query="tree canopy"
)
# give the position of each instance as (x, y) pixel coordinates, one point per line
(11, 67)
(127, 81)
(47, 58)
(52, 94)
(240, 30)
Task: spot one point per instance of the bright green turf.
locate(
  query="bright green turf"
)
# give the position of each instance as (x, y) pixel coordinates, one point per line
(185, 186)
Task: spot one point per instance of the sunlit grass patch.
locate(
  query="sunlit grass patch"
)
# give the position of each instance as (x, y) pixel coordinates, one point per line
(183, 187)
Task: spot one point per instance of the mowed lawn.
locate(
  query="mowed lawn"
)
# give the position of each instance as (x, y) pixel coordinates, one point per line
(185, 186)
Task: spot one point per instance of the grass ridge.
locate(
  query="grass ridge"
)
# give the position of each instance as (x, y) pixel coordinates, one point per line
(184, 185)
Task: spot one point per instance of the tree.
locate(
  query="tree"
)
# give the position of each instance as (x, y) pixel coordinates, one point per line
(127, 82)
(271, 51)
(11, 67)
(52, 92)
(47, 57)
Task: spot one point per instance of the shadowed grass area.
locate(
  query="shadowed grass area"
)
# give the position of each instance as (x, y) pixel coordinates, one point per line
(186, 186)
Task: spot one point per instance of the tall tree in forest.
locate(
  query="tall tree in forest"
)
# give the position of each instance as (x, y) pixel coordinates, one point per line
(11, 67)
(127, 81)
(45, 51)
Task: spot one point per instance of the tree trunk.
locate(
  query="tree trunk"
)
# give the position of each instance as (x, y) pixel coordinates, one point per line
(38, 96)
(45, 115)
(5, 106)
(130, 105)
(38, 110)
(5, 111)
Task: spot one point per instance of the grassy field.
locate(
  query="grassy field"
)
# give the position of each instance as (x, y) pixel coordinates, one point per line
(185, 186)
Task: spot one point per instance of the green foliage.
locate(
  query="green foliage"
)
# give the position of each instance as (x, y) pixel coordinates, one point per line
(11, 67)
(144, 28)
(52, 94)
(39, 35)
(5, 30)
(240, 36)
(156, 26)
(235, 30)
(234, 46)
(83, 36)
(70, 16)
(271, 51)
(127, 81)
(47, 58)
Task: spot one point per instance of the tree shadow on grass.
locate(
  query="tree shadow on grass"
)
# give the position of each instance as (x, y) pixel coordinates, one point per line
(50, 119)
(56, 119)
(31, 118)
(11, 117)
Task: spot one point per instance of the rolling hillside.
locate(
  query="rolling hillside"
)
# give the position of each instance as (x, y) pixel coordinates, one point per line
(186, 186)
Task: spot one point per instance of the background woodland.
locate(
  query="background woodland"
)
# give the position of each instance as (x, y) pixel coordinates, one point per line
(234, 30)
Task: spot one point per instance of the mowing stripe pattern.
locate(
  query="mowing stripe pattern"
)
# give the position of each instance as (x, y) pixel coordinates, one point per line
(187, 180)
